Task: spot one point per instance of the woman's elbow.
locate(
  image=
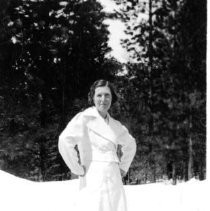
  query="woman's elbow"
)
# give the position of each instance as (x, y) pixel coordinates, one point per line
(61, 144)
(134, 145)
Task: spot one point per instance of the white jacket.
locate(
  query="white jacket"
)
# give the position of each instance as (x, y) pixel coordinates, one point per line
(96, 140)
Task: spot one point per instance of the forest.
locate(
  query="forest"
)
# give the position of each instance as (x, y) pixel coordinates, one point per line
(51, 51)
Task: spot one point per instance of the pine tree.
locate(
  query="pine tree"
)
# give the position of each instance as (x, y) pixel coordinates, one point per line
(57, 50)
(168, 82)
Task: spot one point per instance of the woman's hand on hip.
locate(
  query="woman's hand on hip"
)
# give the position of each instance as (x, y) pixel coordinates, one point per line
(84, 168)
(123, 173)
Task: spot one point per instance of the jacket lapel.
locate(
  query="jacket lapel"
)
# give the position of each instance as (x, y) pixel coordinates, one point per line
(97, 124)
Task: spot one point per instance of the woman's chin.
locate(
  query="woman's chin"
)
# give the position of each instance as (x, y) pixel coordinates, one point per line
(103, 112)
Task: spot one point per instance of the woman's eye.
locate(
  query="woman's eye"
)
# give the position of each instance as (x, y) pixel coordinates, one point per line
(101, 95)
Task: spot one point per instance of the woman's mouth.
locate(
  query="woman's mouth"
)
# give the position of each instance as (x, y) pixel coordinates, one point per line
(103, 104)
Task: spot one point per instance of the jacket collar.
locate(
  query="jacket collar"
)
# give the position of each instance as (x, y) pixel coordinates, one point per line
(92, 112)
(97, 124)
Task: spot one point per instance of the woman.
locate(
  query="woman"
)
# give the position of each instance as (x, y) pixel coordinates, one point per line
(97, 136)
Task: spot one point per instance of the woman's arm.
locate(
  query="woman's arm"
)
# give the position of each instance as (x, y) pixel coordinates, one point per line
(69, 138)
(128, 150)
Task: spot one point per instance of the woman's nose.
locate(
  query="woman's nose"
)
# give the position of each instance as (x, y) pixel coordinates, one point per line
(103, 98)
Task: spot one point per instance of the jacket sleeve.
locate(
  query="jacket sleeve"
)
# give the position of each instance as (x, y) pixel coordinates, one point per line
(128, 149)
(68, 139)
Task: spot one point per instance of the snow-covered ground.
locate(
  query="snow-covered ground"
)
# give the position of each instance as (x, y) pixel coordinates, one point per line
(18, 194)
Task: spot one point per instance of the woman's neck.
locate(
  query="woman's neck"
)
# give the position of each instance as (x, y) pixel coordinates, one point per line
(103, 115)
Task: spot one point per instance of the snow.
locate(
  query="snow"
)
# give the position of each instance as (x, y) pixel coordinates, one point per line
(17, 194)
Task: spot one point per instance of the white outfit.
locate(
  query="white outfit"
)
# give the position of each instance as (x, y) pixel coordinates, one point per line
(101, 189)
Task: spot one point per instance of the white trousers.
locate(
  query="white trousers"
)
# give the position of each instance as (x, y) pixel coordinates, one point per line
(102, 188)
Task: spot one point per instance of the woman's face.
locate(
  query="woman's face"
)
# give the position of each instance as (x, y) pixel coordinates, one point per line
(102, 99)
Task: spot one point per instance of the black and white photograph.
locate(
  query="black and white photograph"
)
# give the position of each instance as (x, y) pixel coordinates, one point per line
(103, 105)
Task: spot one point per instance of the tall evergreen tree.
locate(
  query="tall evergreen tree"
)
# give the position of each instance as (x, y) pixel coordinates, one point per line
(169, 83)
(58, 49)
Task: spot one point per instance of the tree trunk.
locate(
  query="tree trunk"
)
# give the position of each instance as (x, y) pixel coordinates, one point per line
(190, 160)
(174, 173)
(63, 96)
(190, 151)
(154, 172)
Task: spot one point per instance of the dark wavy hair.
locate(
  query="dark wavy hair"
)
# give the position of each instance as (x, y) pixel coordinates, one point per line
(101, 83)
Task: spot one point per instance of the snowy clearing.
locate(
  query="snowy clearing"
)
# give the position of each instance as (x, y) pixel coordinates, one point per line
(23, 195)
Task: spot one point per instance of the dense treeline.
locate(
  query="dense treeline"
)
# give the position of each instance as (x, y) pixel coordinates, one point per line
(52, 50)
(167, 81)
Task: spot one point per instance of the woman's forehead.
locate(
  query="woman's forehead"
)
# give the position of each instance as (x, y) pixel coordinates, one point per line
(102, 89)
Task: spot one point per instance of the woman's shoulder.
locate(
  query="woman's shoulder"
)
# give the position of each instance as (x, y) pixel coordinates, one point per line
(89, 112)
(85, 114)
(118, 124)
(123, 130)
(115, 121)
